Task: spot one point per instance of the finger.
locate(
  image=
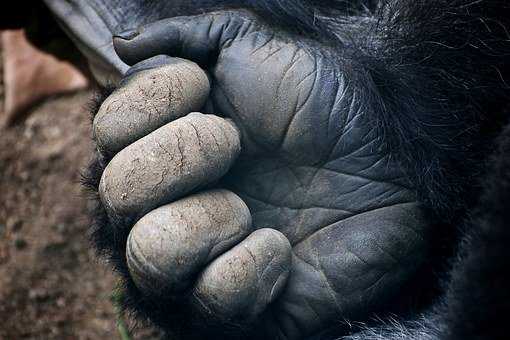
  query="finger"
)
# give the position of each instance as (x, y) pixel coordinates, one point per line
(155, 92)
(174, 160)
(198, 38)
(241, 283)
(170, 245)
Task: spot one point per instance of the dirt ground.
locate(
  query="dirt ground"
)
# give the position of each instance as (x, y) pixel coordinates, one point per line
(51, 284)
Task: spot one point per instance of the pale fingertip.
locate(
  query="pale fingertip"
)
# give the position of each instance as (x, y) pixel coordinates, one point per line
(241, 283)
(149, 99)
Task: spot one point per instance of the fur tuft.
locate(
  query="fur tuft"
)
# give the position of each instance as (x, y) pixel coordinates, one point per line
(97, 100)
(426, 327)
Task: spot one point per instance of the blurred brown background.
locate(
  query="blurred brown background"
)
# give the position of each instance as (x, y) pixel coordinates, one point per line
(51, 284)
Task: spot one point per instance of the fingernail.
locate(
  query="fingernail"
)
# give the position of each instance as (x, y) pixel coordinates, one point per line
(127, 35)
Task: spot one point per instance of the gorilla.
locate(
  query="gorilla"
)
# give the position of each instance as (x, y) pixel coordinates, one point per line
(277, 169)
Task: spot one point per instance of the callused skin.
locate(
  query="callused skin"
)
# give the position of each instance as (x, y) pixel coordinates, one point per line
(336, 230)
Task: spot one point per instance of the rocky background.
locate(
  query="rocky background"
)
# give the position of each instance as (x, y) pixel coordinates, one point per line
(51, 284)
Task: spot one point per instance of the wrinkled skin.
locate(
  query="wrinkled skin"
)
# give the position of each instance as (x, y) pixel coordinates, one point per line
(339, 228)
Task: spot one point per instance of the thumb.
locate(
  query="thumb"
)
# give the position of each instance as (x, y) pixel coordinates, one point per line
(198, 38)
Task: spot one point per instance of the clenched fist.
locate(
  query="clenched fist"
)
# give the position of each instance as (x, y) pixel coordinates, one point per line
(280, 212)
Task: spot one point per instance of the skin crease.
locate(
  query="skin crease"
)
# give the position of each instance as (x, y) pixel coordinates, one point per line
(347, 230)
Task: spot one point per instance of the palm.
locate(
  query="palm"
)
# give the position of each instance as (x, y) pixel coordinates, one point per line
(313, 168)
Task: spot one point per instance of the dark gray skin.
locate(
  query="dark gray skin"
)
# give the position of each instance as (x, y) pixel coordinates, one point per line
(342, 231)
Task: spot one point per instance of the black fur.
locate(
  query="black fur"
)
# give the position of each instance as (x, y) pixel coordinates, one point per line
(434, 74)
(478, 297)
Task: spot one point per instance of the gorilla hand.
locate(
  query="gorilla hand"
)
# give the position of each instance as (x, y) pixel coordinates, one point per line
(335, 229)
